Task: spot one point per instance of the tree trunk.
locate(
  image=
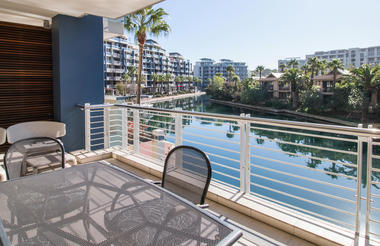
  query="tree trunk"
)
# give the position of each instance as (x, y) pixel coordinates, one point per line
(365, 109)
(374, 97)
(334, 79)
(138, 92)
(294, 100)
(312, 76)
(293, 95)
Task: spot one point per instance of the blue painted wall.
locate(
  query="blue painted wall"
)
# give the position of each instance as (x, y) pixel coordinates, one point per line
(78, 72)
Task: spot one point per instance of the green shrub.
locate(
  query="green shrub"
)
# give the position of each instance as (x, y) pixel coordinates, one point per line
(311, 101)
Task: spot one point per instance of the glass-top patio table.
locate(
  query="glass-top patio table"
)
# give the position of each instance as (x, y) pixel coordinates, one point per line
(100, 204)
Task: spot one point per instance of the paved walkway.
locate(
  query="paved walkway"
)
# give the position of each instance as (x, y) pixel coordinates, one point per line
(168, 98)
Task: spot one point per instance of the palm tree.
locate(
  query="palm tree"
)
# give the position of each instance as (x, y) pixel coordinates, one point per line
(260, 69)
(154, 79)
(282, 67)
(168, 79)
(322, 66)
(141, 22)
(313, 63)
(177, 80)
(182, 81)
(236, 80)
(305, 68)
(334, 66)
(132, 72)
(293, 63)
(230, 70)
(294, 78)
(367, 78)
(209, 81)
(161, 79)
(125, 78)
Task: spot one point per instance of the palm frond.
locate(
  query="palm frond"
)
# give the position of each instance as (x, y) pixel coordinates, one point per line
(160, 28)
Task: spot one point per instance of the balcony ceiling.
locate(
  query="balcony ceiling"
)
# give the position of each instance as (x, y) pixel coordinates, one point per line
(34, 12)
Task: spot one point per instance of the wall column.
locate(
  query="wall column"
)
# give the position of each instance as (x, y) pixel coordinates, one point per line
(77, 45)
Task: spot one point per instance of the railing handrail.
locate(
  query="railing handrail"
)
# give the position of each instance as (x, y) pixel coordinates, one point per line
(367, 132)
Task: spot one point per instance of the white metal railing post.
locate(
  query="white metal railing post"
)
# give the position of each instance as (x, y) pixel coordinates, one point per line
(124, 128)
(136, 131)
(369, 183)
(106, 127)
(178, 129)
(247, 156)
(87, 127)
(243, 155)
(358, 186)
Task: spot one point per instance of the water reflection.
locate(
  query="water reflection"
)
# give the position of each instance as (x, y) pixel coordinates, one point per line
(337, 151)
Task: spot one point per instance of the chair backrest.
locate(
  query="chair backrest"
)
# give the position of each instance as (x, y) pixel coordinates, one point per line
(34, 129)
(3, 135)
(187, 173)
(29, 156)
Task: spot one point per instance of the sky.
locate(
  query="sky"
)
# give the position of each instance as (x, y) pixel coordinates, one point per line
(259, 32)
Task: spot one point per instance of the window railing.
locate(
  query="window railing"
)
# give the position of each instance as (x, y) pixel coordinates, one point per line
(324, 171)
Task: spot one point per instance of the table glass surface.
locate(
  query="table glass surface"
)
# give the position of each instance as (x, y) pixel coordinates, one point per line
(98, 204)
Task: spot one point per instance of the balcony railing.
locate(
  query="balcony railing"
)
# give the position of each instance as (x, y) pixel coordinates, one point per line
(316, 169)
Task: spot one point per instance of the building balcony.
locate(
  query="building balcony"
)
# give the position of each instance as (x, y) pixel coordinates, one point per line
(251, 177)
(284, 88)
(119, 70)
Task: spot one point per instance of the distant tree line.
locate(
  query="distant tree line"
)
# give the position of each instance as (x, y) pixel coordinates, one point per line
(162, 84)
(356, 95)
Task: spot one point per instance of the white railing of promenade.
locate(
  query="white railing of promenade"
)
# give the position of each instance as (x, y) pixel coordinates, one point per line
(315, 169)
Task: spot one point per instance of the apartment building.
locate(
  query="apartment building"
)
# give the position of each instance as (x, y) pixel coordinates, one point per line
(282, 91)
(181, 66)
(274, 87)
(353, 57)
(286, 61)
(326, 81)
(120, 54)
(206, 68)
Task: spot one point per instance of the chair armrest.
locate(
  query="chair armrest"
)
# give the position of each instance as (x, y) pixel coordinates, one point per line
(203, 206)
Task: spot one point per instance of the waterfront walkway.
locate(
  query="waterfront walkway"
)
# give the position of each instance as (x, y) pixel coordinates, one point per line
(112, 99)
(168, 98)
(285, 111)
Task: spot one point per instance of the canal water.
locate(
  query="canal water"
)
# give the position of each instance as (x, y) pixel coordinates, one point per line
(274, 153)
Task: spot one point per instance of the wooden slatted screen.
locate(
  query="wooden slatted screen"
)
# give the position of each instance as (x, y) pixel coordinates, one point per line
(26, 76)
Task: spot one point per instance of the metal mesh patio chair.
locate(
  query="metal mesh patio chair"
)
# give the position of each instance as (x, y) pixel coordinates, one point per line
(33, 155)
(33, 129)
(187, 173)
